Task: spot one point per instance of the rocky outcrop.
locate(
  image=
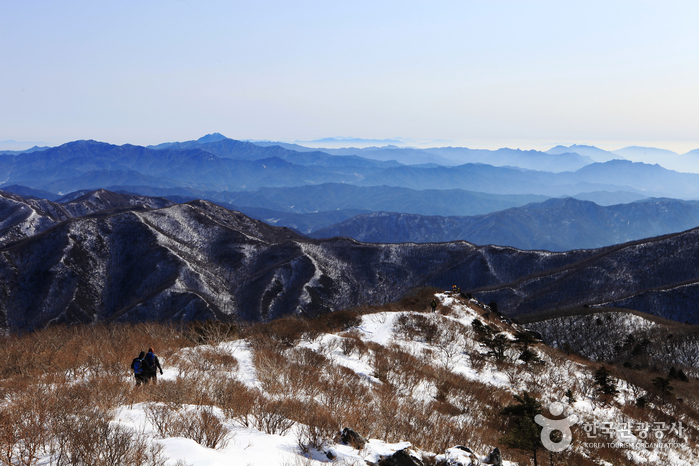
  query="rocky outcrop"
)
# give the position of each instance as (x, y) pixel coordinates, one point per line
(353, 438)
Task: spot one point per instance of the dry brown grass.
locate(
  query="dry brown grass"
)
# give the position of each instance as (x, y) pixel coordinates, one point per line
(87, 370)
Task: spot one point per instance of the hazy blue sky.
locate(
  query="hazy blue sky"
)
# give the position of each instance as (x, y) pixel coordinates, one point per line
(476, 73)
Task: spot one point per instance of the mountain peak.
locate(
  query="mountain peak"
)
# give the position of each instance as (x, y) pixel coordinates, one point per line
(213, 137)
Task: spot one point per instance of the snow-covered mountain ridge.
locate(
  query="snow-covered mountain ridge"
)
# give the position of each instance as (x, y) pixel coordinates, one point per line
(198, 260)
(132, 258)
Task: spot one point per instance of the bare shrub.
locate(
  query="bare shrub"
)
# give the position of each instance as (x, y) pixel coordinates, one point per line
(402, 370)
(161, 418)
(416, 327)
(273, 416)
(23, 434)
(204, 427)
(216, 359)
(185, 364)
(117, 446)
(381, 365)
(82, 351)
(449, 341)
(272, 369)
(318, 428)
(212, 332)
(303, 371)
(89, 438)
(344, 395)
(307, 357)
(282, 333)
(200, 424)
(352, 342)
(180, 391)
(340, 320)
(328, 347)
(146, 454)
(108, 392)
(237, 401)
(387, 407)
(82, 433)
(478, 361)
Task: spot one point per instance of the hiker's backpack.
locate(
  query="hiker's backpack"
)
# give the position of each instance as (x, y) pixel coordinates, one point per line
(150, 359)
(138, 366)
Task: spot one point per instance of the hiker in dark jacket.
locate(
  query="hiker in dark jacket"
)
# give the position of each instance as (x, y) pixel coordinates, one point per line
(154, 365)
(140, 368)
(434, 305)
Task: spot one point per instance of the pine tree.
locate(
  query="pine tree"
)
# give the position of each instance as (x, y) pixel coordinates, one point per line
(663, 385)
(529, 356)
(497, 344)
(606, 385)
(673, 373)
(525, 434)
(524, 339)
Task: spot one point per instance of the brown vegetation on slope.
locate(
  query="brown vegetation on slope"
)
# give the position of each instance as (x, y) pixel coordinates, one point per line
(58, 380)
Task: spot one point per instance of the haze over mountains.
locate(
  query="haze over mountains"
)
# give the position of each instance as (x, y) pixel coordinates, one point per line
(554, 225)
(70, 253)
(309, 190)
(218, 163)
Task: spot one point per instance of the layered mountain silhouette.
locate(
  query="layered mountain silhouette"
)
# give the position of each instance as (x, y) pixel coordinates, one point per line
(215, 164)
(594, 153)
(91, 164)
(615, 175)
(555, 225)
(450, 156)
(93, 254)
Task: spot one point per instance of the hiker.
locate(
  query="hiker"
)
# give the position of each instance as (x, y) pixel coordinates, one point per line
(154, 365)
(453, 290)
(434, 304)
(140, 369)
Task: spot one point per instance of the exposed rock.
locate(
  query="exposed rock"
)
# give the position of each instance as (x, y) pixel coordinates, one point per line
(494, 458)
(352, 437)
(400, 458)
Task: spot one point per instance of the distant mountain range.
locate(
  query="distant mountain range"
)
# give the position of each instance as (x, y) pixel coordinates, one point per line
(216, 163)
(616, 175)
(594, 153)
(451, 156)
(688, 162)
(126, 258)
(554, 225)
(311, 208)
